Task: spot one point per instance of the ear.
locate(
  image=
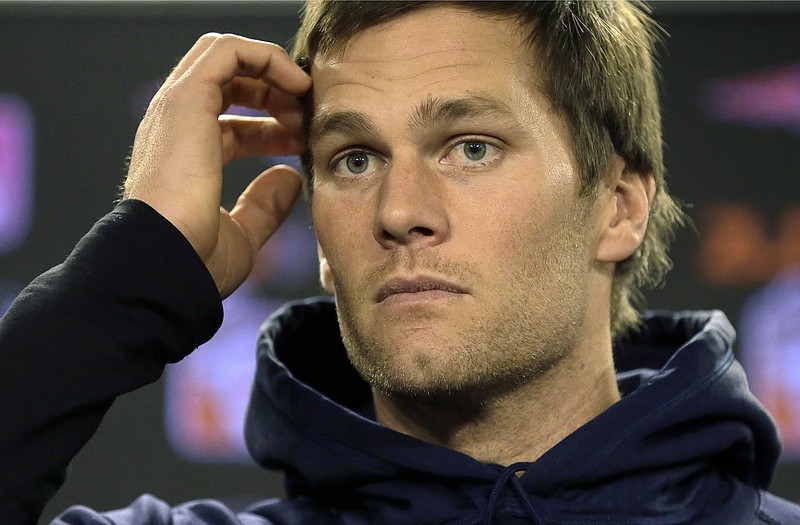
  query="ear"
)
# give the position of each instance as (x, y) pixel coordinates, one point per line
(325, 275)
(625, 214)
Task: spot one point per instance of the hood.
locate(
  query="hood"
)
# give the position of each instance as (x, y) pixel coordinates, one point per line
(686, 415)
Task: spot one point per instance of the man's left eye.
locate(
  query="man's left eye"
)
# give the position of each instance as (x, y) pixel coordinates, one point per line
(474, 150)
(472, 153)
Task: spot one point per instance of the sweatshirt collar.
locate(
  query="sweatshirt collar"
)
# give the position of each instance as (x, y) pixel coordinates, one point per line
(686, 409)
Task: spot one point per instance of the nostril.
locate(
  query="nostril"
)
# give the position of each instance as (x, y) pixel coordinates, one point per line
(420, 230)
(416, 232)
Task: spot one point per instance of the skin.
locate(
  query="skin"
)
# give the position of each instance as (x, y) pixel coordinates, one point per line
(182, 145)
(522, 266)
(472, 284)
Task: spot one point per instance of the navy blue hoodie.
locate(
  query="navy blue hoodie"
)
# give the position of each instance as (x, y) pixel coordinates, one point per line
(687, 443)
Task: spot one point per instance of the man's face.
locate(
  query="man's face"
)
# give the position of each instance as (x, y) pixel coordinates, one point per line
(445, 204)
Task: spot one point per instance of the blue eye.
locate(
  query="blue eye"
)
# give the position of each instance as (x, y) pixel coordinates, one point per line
(354, 163)
(474, 150)
(357, 163)
(473, 154)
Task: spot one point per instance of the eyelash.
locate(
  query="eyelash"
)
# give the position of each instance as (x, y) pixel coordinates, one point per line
(476, 165)
(342, 156)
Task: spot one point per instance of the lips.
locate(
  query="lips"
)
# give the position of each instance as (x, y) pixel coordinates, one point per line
(399, 285)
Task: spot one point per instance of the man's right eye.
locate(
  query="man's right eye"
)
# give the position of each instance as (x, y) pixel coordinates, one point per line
(354, 164)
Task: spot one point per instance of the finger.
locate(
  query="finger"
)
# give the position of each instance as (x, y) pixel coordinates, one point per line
(244, 137)
(191, 56)
(266, 203)
(230, 56)
(287, 109)
(247, 92)
(254, 93)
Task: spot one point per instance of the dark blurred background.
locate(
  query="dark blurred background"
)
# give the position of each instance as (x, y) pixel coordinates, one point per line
(75, 79)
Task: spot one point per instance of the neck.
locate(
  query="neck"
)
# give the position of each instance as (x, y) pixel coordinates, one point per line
(532, 418)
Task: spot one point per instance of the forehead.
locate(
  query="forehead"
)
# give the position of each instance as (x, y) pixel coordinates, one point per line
(428, 52)
(456, 27)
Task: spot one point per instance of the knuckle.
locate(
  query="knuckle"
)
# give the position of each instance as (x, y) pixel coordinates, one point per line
(275, 48)
(208, 38)
(228, 39)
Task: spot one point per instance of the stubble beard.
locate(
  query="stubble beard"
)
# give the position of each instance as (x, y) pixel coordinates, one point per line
(515, 341)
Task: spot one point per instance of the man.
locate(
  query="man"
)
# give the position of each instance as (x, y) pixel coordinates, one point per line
(487, 191)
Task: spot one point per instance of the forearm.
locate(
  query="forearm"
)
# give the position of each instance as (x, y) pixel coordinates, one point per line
(131, 297)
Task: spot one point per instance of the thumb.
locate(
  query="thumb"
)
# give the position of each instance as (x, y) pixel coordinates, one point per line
(266, 203)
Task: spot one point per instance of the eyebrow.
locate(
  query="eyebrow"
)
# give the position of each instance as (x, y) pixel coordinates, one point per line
(349, 122)
(437, 111)
(431, 112)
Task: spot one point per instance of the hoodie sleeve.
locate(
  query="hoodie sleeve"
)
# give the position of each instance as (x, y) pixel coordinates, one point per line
(131, 297)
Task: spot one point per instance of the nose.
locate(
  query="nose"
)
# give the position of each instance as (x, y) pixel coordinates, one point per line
(411, 208)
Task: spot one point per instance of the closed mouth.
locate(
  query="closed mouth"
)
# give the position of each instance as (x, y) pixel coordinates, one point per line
(412, 285)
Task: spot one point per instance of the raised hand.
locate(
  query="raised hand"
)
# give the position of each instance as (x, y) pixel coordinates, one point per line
(183, 142)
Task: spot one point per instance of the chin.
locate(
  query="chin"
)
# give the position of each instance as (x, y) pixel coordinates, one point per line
(436, 374)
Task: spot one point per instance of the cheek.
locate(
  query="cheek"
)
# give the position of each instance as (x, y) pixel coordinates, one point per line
(538, 240)
(500, 243)
(339, 230)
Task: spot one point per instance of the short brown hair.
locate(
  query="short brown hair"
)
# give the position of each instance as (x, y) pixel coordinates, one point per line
(599, 73)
